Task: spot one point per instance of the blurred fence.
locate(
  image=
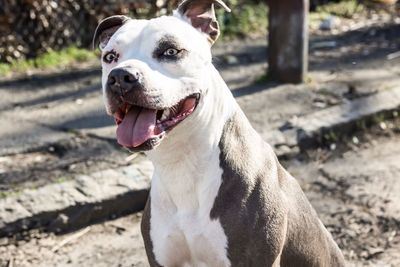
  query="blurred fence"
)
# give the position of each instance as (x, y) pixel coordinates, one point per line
(31, 27)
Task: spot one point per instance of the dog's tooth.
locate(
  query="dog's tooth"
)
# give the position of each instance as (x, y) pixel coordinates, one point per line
(165, 114)
(174, 110)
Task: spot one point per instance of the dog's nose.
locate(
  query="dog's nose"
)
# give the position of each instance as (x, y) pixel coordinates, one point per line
(123, 80)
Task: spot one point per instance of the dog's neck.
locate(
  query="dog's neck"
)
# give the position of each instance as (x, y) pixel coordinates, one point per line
(187, 161)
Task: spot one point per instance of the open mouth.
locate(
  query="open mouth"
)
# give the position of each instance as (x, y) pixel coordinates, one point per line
(140, 126)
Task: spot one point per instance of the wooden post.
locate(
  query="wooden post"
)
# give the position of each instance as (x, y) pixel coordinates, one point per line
(288, 40)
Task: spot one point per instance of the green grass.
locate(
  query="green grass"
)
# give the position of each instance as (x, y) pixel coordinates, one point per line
(263, 79)
(244, 20)
(61, 179)
(249, 19)
(345, 8)
(6, 194)
(315, 18)
(48, 60)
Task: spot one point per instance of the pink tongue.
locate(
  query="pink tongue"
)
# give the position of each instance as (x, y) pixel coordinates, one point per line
(137, 127)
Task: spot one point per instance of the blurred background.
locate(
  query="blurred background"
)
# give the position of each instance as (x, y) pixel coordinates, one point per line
(70, 196)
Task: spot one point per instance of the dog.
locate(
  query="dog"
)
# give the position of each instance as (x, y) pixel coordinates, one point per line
(219, 196)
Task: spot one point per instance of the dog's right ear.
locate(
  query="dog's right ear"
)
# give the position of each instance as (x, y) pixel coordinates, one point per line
(106, 28)
(201, 15)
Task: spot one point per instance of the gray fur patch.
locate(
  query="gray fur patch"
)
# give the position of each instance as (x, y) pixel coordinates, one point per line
(262, 209)
(145, 228)
(246, 204)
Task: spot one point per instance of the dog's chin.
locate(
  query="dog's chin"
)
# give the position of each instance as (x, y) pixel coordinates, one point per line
(143, 129)
(148, 145)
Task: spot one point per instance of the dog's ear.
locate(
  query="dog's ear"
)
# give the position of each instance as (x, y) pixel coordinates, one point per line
(106, 28)
(201, 15)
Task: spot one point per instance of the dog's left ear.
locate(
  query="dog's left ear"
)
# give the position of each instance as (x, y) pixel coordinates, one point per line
(201, 15)
(106, 28)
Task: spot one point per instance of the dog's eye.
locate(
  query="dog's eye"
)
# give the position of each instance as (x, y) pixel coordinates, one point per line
(170, 52)
(110, 57)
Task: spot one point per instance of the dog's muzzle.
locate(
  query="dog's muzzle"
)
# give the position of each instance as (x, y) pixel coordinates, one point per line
(141, 123)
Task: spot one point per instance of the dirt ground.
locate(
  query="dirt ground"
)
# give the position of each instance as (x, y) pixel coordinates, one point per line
(354, 189)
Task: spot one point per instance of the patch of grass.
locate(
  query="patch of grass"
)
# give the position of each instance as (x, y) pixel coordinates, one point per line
(263, 79)
(48, 60)
(245, 20)
(345, 8)
(331, 136)
(6, 194)
(61, 179)
(361, 125)
(309, 79)
(5, 68)
(378, 118)
(315, 18)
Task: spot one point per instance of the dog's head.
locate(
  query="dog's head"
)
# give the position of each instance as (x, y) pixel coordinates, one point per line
(154, 71)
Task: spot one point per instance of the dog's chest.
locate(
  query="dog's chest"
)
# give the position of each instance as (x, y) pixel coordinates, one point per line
(182, 232)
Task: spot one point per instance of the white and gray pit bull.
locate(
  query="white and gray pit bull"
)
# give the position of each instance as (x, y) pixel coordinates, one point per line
(219, 196)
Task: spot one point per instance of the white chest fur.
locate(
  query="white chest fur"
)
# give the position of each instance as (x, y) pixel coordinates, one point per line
(186, 180)
(182, 231)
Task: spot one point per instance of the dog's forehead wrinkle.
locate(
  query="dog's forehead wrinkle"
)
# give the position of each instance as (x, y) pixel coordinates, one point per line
(177, 27)
(168, 39)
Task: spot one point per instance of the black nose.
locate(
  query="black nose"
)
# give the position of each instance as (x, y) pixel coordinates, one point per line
(123, 80)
